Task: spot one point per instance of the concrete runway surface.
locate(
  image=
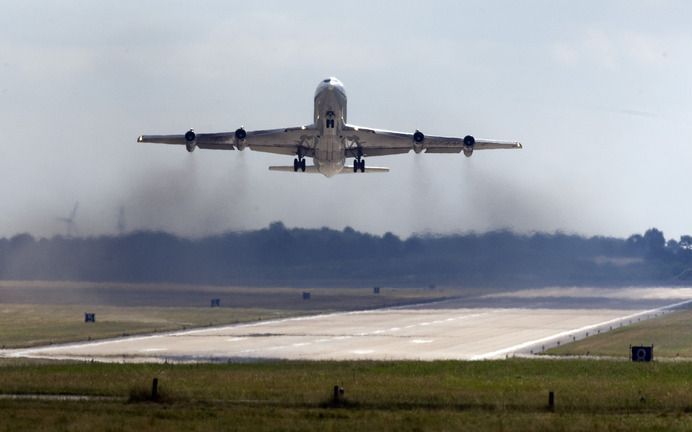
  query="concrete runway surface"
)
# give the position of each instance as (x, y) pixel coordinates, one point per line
(485, 327)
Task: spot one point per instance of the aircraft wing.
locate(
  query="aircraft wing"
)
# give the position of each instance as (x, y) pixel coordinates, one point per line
(286, 141)
(378, 142)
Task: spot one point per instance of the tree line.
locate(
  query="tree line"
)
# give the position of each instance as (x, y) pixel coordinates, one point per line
(278, 255)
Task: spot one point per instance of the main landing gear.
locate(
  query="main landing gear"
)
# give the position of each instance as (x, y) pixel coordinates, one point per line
(359, 165)
(299, 164)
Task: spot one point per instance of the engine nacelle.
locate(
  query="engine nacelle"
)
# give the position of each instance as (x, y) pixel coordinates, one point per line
(190, 140)
(418, 139)
(469, 142)
(240, 135)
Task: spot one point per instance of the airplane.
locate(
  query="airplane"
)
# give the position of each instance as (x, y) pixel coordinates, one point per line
(329, 140)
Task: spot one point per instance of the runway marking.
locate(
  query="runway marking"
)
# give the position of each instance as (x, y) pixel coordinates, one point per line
(335, 345)
(34, 352)
(527, 345)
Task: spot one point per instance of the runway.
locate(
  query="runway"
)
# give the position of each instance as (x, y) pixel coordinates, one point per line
(486, 327)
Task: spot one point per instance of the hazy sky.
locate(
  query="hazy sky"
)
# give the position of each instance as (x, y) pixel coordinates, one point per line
(600, 93)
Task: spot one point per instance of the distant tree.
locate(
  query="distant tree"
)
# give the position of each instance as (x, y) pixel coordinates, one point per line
(635, 243)
(281, 255)
(672, 245)
(685, 249)
(655, 242)
(685, 242)
(21, 240)
(391, 244)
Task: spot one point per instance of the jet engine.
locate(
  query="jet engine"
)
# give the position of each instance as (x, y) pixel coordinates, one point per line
(469, 142)
(190, 140)
(240, 135)
(418, 139)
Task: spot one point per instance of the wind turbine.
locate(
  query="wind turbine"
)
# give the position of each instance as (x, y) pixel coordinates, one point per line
(69, 222)
(122, 222)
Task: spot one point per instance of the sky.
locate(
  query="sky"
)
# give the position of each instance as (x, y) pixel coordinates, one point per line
(599, 93)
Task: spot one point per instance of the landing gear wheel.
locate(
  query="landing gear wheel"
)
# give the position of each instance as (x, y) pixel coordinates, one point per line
(356, 165)
(302, 165)
(362, 165)
(296, 165)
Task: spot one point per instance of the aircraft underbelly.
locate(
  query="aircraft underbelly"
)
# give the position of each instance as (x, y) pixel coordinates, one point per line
(329, 155)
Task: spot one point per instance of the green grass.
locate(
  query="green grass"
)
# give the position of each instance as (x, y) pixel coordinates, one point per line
(30, 325)
(670, 334)
(44, 312)
(493, 395)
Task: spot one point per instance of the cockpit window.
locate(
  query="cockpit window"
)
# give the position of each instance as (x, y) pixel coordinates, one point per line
(327, 80)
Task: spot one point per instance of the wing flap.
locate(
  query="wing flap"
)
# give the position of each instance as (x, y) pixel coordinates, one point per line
(222, 141)
(286, 141)
(379, 142)
(443, 150)
(484, 144)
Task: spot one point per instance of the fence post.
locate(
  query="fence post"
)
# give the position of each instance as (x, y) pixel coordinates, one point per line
(155, 389)
(338, 395)
(551, 401)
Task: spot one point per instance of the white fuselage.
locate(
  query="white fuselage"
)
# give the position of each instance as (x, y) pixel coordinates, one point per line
(329, 120)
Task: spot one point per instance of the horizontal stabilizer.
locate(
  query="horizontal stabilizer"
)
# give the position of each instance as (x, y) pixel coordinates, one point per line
(349, 170)
(312, 169)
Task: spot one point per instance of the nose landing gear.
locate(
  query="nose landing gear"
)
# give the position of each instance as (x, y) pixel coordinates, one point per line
(358, 165)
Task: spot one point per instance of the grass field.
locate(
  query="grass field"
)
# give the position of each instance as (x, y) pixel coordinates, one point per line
(670, 334)
(30, 325)
(38, 313)
(493, 395)
(508, 395)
